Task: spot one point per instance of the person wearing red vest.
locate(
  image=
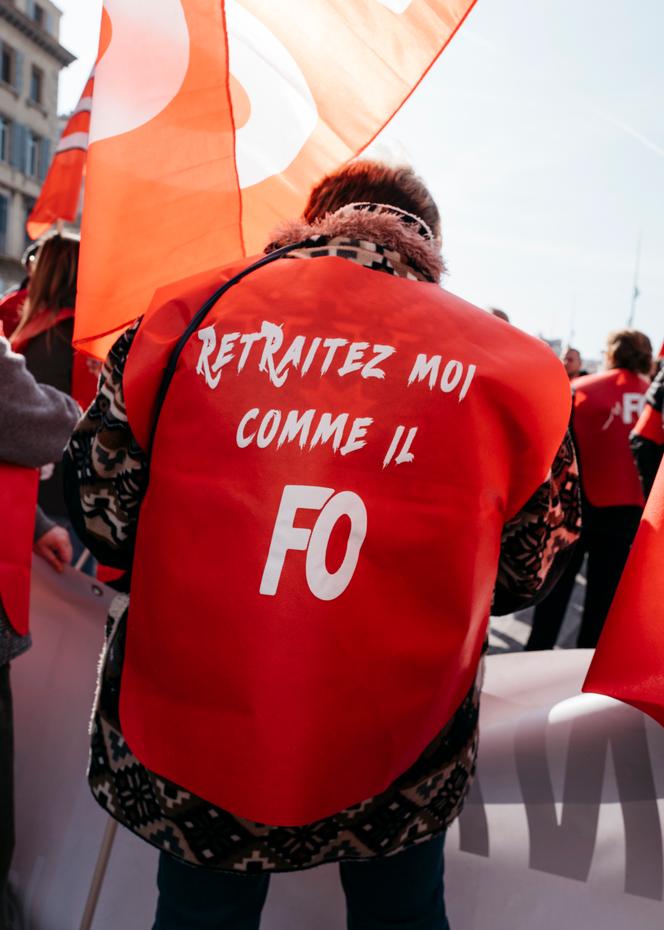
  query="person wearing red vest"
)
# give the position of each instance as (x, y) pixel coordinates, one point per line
(44, 336)
(35, 423)
(344, 467)
(647, 437)
(606, 407)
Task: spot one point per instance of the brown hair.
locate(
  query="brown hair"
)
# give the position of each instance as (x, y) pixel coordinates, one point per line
(53, 282)
(373, 182)
(630, 349)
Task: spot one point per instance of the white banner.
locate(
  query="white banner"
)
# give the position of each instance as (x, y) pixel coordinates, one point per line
(563, 828)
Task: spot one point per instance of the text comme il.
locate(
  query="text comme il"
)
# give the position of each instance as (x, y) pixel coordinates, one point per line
(232, 351)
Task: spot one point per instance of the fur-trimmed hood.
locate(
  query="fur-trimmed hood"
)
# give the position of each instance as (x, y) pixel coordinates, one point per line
(380, 227)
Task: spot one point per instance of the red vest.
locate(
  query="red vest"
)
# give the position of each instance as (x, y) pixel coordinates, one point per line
(650, 425)
(318, 544)
(18, 502)
(10, 310)
(606, 407)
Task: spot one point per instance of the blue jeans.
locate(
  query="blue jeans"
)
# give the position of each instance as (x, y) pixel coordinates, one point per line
(400, 892)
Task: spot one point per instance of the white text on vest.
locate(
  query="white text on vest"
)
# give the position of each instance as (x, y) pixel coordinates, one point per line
(324, 585)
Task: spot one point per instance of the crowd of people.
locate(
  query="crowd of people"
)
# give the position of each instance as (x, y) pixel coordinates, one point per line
(301, 674)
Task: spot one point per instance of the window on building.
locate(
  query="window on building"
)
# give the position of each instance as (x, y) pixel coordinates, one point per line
(39, 14)
(28, 203)
(36, 84)
(32, 155)
(4, 222)
(5, 138)
(7, 64)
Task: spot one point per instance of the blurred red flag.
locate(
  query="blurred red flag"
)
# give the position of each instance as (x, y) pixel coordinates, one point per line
(212, 120)
(61, 191)
(629, 659)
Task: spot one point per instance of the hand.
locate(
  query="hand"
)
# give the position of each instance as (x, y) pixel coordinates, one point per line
(55, 547)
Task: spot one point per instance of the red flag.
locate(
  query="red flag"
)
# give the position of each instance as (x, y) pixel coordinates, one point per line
(61, 191)
(212, 120)
(629, 659)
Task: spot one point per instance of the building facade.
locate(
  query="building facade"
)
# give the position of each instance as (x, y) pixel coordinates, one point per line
(31, 58)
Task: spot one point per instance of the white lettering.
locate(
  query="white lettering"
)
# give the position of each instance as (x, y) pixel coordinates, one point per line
(404, 455)
(247, 341)
(466, 384)
(225, 355)
(331, 345)
(308, 362)
(285, 535)
(352, 363)
(396, 439)
(242, 440)
(274, 337)
(208, 337)
(451, 376)
(382, 352)
(356, 436)
(291, 356)
(327, 428)
(324, 585)
(423, 367)
(633, 405)
(294, 424)
(268, 428)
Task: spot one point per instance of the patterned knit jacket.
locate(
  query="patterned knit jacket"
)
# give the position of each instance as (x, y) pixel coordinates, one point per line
(106, 478)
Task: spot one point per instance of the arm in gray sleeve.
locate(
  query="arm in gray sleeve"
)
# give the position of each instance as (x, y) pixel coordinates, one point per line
(36, 420)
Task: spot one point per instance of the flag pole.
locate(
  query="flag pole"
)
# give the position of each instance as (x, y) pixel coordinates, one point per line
(635, 290)
(99, 874)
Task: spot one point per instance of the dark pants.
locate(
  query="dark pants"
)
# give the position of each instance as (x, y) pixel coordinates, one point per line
(404, 891)
(6, 782)
(607, 535)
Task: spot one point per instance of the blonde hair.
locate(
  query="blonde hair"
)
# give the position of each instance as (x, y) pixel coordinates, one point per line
(53, 282)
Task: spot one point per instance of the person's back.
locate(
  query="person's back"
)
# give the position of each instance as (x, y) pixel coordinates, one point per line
(44, 337)
(338, 461)
(607, 406)
(360, 407)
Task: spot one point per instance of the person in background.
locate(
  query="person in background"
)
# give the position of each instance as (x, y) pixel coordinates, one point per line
(647, 437)
(36, 421)
(11, 303)
(44, 337)
(571, 359)
(606, 407)
(374, 231)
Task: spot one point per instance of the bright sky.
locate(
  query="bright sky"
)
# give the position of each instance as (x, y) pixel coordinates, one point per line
(540, 133)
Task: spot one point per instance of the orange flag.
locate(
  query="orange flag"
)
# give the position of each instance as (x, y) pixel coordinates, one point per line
(629, 659)
(212, 120)
(61, 191)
